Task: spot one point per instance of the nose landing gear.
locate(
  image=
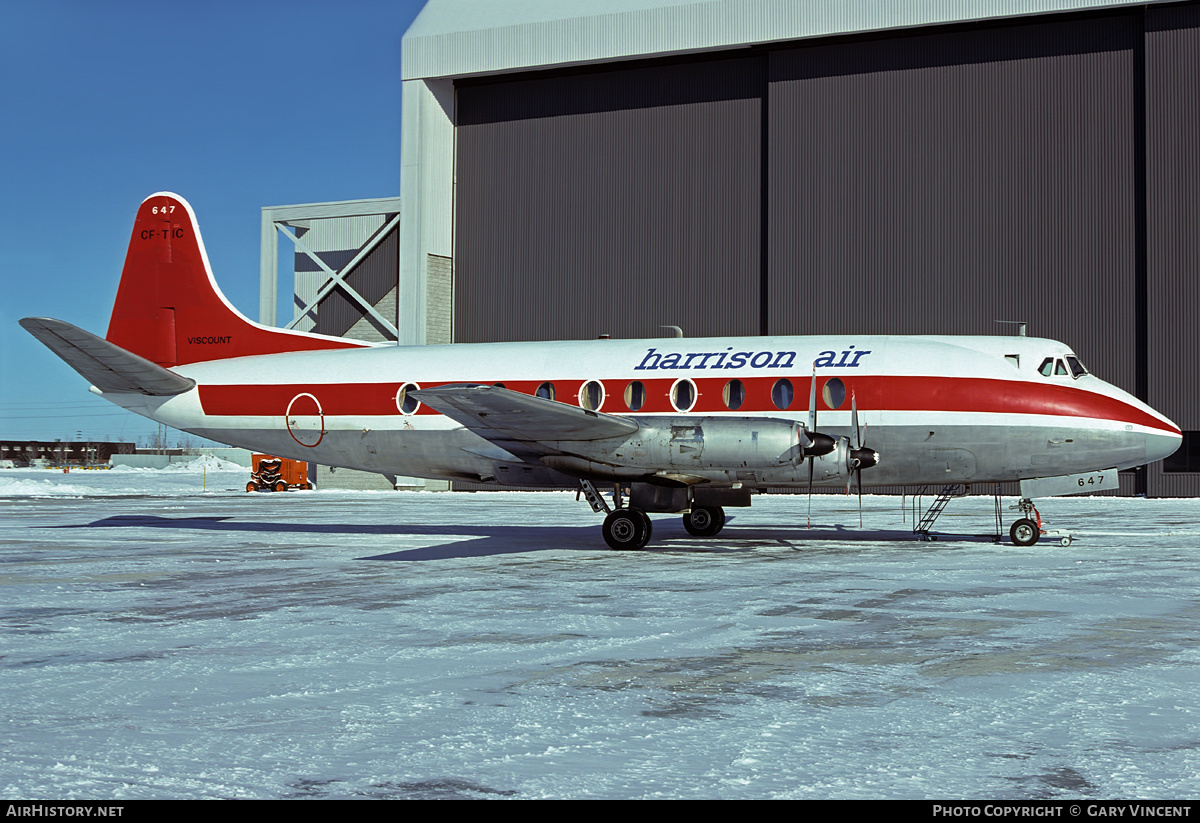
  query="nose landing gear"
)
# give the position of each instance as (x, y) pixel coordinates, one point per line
(1028, 529)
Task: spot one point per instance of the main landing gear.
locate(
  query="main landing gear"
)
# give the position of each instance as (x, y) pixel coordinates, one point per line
(704, 521)
(629, 529)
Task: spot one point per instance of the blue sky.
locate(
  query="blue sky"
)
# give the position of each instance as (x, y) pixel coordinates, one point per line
(234, 105)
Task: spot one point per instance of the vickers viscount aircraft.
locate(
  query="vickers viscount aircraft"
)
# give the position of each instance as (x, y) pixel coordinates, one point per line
(678, 425)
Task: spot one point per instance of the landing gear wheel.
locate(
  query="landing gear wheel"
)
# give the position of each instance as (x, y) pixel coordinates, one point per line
(647, 522)
(627, 530)
(1024, 532)
(704, 521)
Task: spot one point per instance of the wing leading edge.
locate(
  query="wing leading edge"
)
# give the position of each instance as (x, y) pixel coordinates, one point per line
(521, 423)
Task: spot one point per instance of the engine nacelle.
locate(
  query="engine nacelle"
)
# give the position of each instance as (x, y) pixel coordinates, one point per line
(712, 443)
(693, 444)
(773, 450)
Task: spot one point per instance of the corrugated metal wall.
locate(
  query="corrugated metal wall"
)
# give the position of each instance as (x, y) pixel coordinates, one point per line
(933, 184)
(609, 202)
(1173, 206)
(916, 182)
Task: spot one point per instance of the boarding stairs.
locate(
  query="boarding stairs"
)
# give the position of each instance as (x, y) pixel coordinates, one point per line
(922, 527)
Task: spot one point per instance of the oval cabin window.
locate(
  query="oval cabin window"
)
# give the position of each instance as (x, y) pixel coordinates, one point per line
(591, 395)
(782, 393)
(734, 395)
(683, 395)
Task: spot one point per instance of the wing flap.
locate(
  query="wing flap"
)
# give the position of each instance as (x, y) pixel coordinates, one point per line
(105, 365)
(503, 416)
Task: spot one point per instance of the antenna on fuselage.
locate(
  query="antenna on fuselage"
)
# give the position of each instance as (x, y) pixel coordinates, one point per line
(678, 331)
(1020, 324)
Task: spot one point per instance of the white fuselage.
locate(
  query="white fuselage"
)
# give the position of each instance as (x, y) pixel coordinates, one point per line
(936, 409)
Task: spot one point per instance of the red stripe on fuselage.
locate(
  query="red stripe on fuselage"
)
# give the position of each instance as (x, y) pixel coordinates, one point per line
(873, 392)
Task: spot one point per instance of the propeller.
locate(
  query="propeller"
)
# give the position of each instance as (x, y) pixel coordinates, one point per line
(812, 427)
(818, 444)
(861, 457)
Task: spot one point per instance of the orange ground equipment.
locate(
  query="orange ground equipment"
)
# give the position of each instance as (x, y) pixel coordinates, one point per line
(277, 474)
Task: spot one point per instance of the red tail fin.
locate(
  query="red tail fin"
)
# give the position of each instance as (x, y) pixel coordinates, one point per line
(169, 309)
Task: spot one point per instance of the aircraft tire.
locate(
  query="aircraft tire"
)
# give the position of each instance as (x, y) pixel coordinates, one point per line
(1024, 532)
(627, 530)
(704, 521)
(647, 522)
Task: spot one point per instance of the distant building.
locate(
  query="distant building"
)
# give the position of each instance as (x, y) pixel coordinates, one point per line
(24, 453)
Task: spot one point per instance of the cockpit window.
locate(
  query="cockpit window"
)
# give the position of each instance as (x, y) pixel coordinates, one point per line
(1065, 366)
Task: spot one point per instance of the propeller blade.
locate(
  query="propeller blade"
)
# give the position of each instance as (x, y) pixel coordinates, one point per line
(858, 482)
(812, 402)
(810, 482)
(855, 444)
(812, 427)
(855, 447)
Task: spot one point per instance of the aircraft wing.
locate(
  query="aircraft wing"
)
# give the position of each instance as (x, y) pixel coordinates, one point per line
(105, 365)
(520, 422)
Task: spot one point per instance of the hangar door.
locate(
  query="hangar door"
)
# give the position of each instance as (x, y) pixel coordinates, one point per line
(934, 183)
(611, 202)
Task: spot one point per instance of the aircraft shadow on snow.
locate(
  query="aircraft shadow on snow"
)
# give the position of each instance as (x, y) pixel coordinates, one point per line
(487, 540)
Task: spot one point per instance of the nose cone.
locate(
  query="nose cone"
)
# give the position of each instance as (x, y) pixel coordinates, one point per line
(1161, 436)
(1160, 445)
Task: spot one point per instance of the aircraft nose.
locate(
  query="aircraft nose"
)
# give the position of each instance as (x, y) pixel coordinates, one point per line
(1160, 445)
(1151, 430)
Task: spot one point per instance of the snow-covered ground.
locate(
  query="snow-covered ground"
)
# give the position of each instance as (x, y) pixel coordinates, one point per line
(166, 634)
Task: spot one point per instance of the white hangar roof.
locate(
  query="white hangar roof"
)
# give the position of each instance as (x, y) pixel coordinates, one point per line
(457, 38)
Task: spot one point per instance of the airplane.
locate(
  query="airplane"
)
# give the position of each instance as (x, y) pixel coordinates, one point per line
(678, 425)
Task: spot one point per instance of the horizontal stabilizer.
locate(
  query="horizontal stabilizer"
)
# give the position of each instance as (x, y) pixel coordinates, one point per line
(105, 365)
(502, 414)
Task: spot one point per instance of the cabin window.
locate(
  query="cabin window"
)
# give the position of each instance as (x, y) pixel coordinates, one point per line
(406, 404)
(1014, 359)
(591, 395)
(546, 390)
(782, 393)
(834, 393)
(635, 395)
(683, 395)
(734, 394)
